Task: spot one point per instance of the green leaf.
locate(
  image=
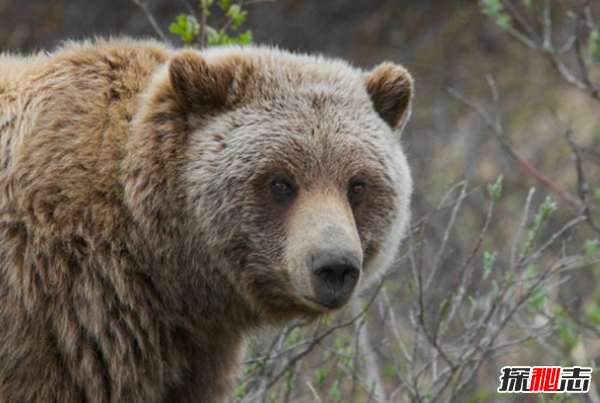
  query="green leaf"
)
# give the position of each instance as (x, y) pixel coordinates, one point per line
(222, 38)
(240, 391)
(546, 208)
(495, 189)
(531, 272)
(186, 27)
(212, 36)
(592, 312)
(544, 212)
(245, 38)
(511, 277)
(206, 4)
(445, 307)
(320, 377)
(237, 15)
(494, 9)
(591, 248)
(495, 289)
(490, 7)
(335, 391)
(253, 367)
(294, 336)
(504, 21)
(537, 299)
(489, 260)
(593, 43)
(289, 381)
(567, 334)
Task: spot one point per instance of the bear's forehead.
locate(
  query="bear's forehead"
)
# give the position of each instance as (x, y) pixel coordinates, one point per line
(317, 120)
(308, 114)
(311, 147)
(271, 70)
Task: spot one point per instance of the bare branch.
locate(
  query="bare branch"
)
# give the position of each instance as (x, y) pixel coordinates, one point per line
(143, 5)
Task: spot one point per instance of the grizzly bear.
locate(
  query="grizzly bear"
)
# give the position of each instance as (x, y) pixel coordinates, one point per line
(159, 205)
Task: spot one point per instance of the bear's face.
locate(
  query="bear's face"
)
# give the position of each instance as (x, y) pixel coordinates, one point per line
(296, 177)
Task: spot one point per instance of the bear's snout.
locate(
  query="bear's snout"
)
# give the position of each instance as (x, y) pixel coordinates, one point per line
(334, 276)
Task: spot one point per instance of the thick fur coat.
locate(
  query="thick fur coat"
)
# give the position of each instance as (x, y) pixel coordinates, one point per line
(145, 228)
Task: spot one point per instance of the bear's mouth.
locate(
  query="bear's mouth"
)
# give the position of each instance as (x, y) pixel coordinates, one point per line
(321, 305)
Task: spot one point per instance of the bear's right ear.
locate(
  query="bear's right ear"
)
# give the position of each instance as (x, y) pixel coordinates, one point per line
(198, 86)
(391, 89)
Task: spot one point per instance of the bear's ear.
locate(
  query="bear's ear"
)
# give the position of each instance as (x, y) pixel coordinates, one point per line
(198, 86)
(391, 89)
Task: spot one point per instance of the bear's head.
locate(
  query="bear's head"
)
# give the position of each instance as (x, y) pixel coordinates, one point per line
(286, 171)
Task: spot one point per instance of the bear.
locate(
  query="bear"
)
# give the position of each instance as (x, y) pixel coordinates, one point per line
(158, 205)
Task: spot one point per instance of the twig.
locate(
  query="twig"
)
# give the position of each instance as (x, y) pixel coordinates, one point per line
(496, 126)
(517, 239)
(314, 392)
(143, 5)
(582, 185)
(370, 364)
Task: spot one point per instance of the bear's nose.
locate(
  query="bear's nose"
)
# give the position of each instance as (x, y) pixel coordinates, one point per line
(334, 276)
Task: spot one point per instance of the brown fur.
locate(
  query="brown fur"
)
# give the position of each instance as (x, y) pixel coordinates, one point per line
(138, 243)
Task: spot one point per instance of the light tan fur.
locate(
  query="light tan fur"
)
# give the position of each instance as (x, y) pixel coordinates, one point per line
(139, 241)
(310, 226)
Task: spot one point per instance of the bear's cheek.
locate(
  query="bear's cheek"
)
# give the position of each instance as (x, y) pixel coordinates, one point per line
(374, 221)
(274, 297)
(265, 271)
(277, 284)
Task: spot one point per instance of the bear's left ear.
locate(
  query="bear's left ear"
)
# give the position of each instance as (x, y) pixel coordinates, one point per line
(199, 86)
(391, 89)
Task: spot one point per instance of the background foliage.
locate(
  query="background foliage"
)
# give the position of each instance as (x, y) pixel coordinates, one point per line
(502, 264)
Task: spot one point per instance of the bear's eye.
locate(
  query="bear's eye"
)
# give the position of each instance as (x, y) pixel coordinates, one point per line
(282, 189)
(356, 191)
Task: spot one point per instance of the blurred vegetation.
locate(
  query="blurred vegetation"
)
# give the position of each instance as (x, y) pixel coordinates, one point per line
(195, 30)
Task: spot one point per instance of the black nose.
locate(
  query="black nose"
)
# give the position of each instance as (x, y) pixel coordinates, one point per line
(334, 276)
